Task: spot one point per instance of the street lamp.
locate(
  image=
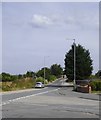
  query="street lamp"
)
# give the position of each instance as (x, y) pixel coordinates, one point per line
(44, 68)
(74, 63)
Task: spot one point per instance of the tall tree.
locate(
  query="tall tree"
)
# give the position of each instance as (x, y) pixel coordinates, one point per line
(83, 63)
(7, 77)
(29, 74)
(56, 70)
(40, 73)
(98, 74)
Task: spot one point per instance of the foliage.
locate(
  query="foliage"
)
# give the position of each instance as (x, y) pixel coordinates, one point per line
(52, 78)
(28, 80)
(98, 74)
(40, 73)
(40, 79)
(56, 70)
(8, 77)
(96, 85)
(18, 84)
(30, 74)
(0, 77)
(20, 76)
(93, 77)
(83, 63)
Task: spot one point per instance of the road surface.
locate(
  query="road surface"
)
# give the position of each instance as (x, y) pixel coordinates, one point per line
(54, 101)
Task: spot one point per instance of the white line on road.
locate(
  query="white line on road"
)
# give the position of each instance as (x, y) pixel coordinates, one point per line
(9, 101)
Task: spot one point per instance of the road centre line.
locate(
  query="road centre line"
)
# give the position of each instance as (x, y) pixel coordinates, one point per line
(9, 101)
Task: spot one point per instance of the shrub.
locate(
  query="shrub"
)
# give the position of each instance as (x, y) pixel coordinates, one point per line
(52, 78)
(46, 81)
(96, 85)
(24, 83)
(18, 84)
(40, 79)
(6, 77)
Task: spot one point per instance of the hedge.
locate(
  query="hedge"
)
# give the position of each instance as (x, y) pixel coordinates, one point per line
(96, 85)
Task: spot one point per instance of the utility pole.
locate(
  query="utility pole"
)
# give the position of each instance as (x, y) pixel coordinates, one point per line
(44, 68)
(74, 82)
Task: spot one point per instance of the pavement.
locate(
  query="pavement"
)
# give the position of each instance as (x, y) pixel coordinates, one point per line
(50, 102)
(60, 83)
(57, 83)
(53, 104)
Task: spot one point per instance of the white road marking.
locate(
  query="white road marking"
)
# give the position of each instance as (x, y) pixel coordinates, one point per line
(9, 101)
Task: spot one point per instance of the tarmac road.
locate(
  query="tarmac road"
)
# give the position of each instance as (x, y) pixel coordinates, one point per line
(50, 102)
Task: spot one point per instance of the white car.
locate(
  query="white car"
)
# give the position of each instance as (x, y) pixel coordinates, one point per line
(39, 85)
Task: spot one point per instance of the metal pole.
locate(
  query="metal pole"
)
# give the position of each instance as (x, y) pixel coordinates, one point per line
(74, 64)
(44, 70)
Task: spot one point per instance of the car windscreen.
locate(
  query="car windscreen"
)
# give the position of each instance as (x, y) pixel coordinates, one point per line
(38, 83)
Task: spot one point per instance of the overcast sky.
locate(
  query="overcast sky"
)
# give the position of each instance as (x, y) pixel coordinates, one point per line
(31, 31)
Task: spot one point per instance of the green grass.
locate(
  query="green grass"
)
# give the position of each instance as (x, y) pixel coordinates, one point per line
(96, 92)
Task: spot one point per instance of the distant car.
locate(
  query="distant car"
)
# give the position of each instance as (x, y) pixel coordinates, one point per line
(39, 85)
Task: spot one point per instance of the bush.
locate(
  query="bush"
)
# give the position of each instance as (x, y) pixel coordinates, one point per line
(18, 84)
(6, 86)
(96, 85)
(52, 78)
(24, 83)
(92, 77)
(40, 79)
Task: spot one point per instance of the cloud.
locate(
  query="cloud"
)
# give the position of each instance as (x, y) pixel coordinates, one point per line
(82, 21)
(70, 21)
(40, 21)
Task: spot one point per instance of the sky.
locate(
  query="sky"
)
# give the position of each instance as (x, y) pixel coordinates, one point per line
(32, 31)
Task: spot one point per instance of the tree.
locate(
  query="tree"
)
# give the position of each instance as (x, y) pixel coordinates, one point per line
(30, 74)
(98, 74)
(56, 70)
(20, 76)
(0, 77)
(7, 77)
(40, 73)
(83, 63)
